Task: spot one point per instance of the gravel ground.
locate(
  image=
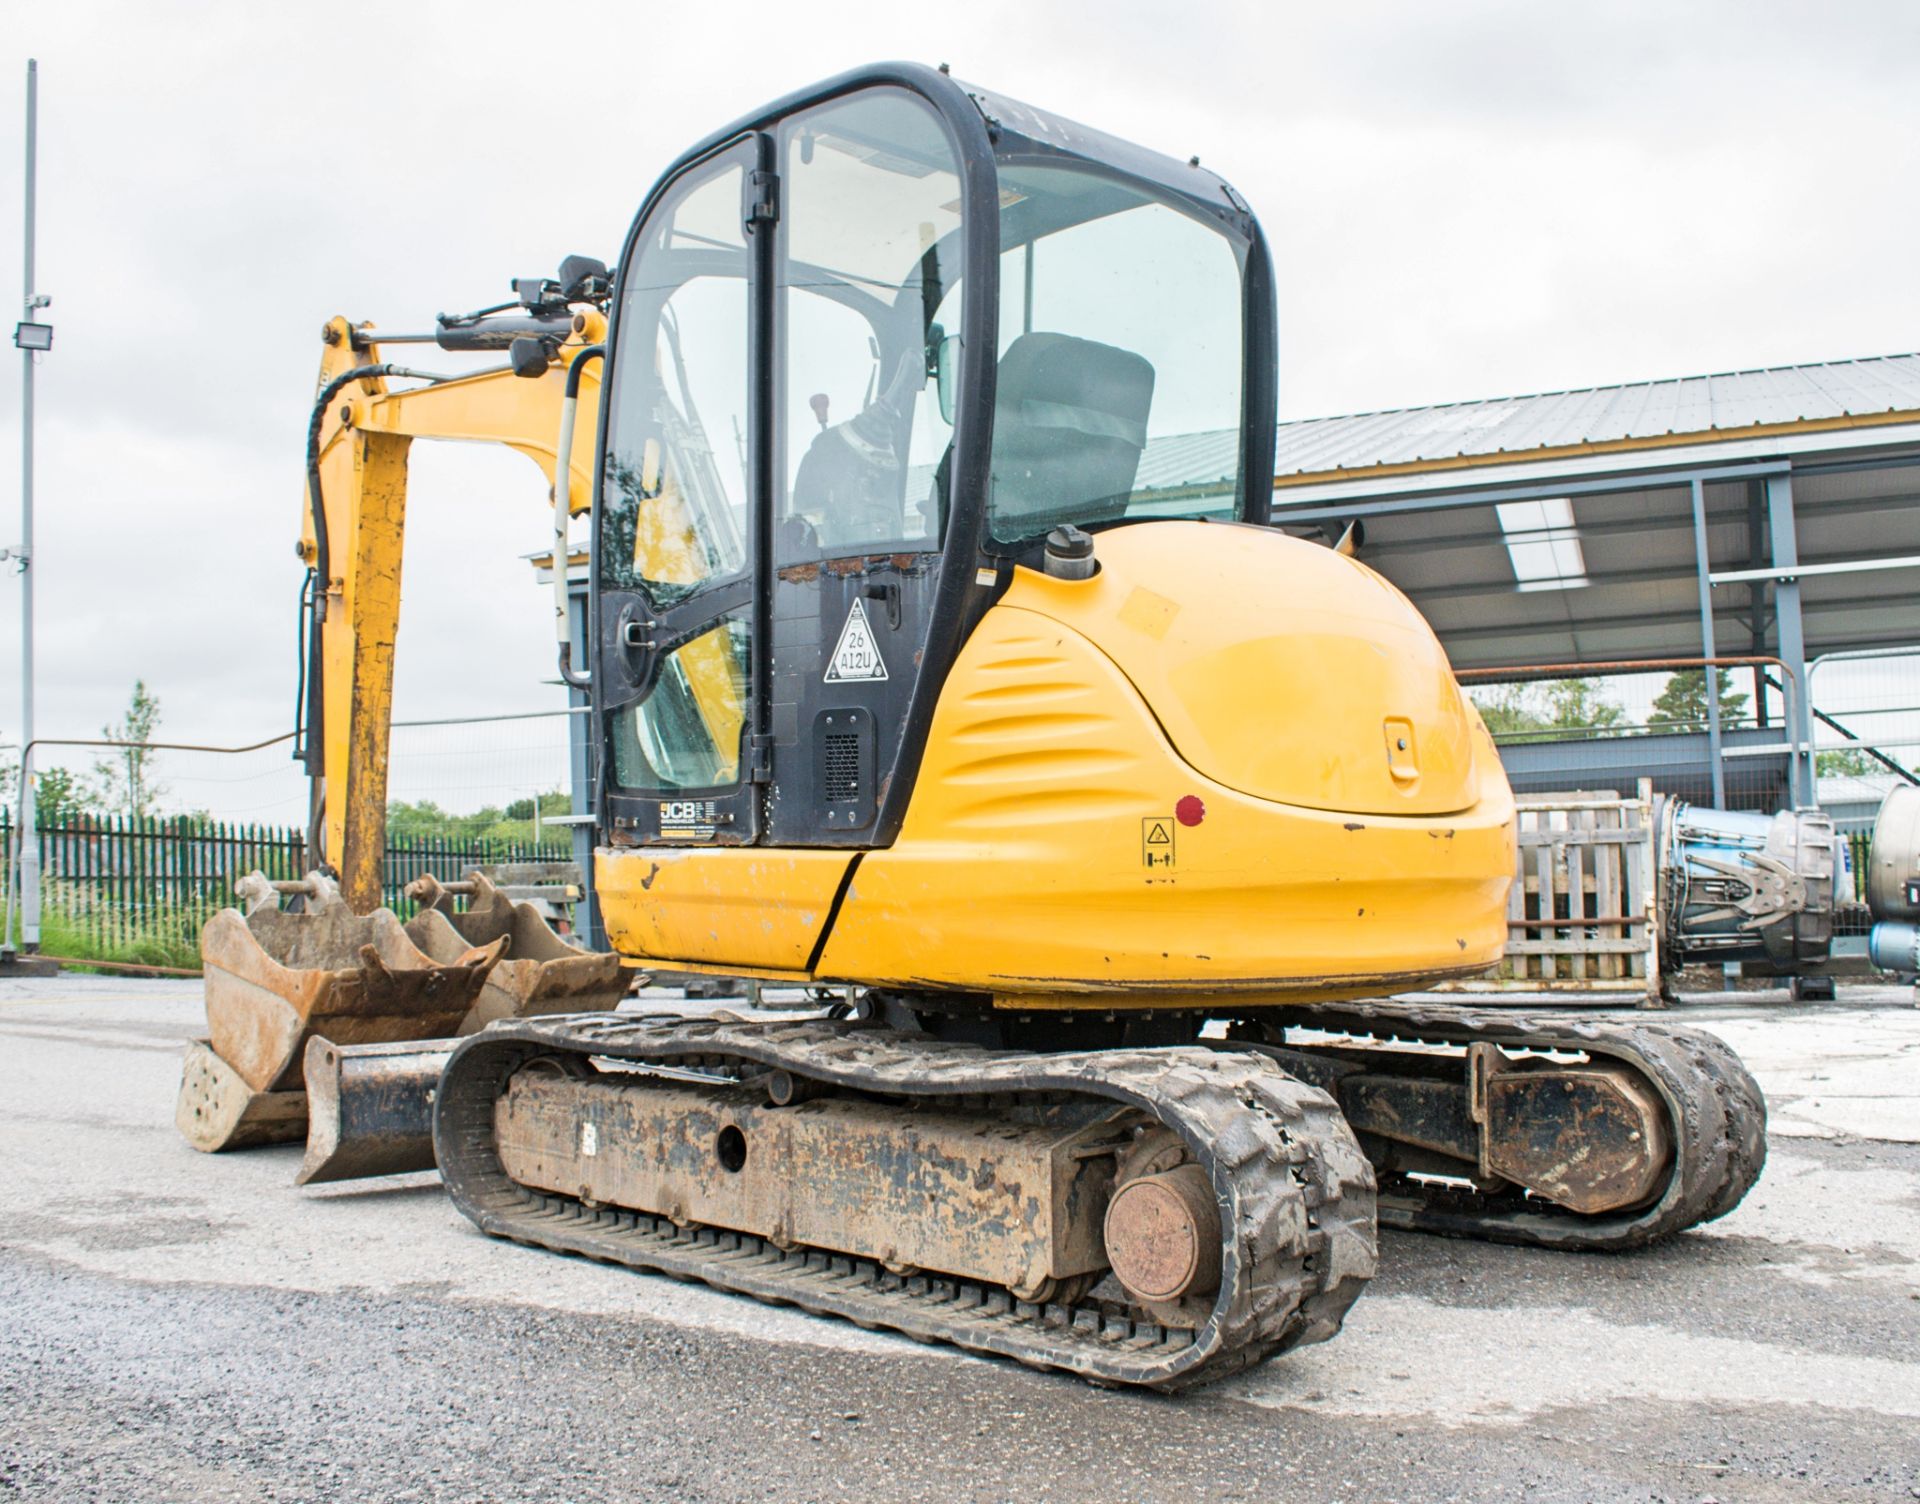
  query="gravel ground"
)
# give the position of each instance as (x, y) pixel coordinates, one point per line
(184, 1328)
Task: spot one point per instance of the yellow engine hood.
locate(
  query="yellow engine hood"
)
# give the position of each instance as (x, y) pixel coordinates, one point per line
(1277, 667)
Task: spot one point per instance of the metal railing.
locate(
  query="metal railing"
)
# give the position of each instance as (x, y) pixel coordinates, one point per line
(117, 887)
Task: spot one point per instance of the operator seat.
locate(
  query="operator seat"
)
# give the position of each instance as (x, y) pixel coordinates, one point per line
(1069, 425)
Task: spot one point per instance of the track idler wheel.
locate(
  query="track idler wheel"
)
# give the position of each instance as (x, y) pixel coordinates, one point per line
(1593, 1138)
(1162, 1231)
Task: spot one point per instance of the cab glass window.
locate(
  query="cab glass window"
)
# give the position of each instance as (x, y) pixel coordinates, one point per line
(686, 734)
(1120, 357)
(869, 254)
(674, 506)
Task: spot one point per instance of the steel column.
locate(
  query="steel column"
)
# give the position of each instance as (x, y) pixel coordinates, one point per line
(1793, 639)
(580, 755)
(1710, 674)
(1756, 598)
(29, 832)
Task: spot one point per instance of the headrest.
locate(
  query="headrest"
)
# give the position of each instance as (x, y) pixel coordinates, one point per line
(1069, 424)
(1055, 381)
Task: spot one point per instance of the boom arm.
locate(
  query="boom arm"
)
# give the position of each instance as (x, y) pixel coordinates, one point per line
(364, 439)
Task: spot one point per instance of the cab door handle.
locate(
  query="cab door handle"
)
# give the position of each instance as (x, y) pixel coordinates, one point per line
(888, 591)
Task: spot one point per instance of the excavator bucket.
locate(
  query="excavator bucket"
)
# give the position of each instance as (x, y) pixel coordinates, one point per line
(370, 1106)
(217, 1110)
(540, 973)
(276, 979)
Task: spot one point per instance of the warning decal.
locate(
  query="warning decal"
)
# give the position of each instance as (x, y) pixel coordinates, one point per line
(1156, 841)
(858, 655)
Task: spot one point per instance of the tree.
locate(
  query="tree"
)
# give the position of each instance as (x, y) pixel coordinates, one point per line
(59, 798)
(425, 819)
(491, 824)
(1682, 704)
(1546, 711)
(1846, 762)
(128, 779)
(1580, 704)
(1508, 709)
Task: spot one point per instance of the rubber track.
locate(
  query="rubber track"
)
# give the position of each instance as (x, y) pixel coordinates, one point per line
(1296, 1192)
(1718, 1112)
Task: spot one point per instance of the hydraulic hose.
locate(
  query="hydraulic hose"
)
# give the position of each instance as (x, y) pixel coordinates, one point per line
(315, 745)
(562, 512)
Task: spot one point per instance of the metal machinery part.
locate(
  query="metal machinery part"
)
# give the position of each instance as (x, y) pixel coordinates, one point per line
(360, 995)
(938, 1189)
(277, 980)
(1893, 883)
(1144, 1216)
(369, 1108)
(1572, 1133)
(540, 972)
(1735, 886)
(217, 1110)
(353, 527)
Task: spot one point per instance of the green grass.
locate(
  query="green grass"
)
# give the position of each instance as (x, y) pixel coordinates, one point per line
(161, 936)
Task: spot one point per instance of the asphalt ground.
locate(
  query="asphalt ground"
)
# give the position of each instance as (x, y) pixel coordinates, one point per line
(175, 1326)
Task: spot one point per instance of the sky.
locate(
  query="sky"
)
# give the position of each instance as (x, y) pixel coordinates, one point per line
(1464, 200)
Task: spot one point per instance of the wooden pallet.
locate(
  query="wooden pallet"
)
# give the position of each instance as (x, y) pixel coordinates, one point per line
(1581, 914)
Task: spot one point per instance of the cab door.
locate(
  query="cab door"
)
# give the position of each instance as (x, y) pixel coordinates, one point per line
(776, 491)
(678, 558)
(867, 280)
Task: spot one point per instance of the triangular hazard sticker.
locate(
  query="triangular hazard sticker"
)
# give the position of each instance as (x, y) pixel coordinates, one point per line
(857, 656)
(1157, 835)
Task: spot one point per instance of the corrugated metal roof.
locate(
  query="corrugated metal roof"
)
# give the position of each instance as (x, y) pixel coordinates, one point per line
(1189, 459)
(1727, 405)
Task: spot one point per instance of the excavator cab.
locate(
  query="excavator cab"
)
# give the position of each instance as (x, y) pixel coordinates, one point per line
(870, 347)
(928, 623)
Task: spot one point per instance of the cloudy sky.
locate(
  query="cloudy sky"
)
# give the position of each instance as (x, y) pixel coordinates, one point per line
(1464, 199)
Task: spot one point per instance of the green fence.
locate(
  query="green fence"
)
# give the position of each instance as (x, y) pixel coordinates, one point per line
(119, 888)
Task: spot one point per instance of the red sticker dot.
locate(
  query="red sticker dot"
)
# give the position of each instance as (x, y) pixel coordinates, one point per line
(1190, 811)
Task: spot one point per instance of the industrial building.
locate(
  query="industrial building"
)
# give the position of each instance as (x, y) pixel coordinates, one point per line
(1767, 519)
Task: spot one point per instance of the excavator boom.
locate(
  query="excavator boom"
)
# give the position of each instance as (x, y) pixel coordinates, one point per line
(353, 541)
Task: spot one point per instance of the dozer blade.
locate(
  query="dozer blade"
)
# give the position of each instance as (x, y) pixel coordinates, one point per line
(217, 1110)
(541, 972)
(276, 979)
(370, 1108)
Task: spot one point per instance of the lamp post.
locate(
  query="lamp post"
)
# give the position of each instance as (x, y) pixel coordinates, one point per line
(32, 338)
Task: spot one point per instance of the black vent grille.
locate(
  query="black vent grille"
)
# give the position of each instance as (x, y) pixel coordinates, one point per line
(840, 768)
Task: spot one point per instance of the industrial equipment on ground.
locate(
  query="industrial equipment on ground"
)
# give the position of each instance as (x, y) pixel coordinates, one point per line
(1112, 807)
(280, 982)
(1893, 884)
(1614, 895)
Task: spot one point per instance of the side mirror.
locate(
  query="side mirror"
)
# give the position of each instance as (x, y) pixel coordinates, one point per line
(585, 279)
(946, 363)
(530, 355)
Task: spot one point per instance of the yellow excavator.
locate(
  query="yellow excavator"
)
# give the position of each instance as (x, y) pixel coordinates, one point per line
(941, 655)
